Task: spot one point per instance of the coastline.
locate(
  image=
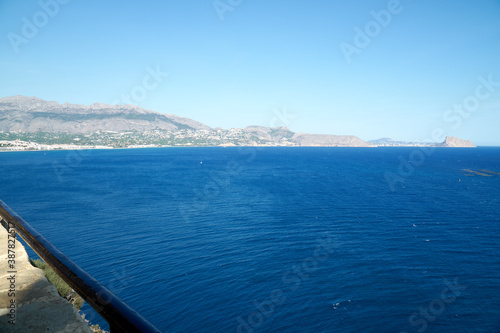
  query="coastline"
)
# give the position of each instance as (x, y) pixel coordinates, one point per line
(220, 146)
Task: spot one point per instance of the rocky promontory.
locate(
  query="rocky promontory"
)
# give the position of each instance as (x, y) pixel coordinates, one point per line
(452, 141)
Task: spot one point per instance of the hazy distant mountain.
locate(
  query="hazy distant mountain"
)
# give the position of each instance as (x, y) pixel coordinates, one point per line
(450, 141)
(304, 139)
(276, 134)
(31, 114)
(382, 141)
(391, 142)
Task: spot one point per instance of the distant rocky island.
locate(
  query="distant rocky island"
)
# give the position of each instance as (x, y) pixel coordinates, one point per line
(31, 123)
(450, 141)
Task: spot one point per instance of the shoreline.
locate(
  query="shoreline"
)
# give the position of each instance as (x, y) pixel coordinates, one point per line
(220, 146)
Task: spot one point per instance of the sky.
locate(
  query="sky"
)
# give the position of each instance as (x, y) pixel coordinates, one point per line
(399, 69)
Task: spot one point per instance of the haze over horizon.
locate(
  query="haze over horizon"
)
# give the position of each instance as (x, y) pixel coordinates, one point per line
(398, 69)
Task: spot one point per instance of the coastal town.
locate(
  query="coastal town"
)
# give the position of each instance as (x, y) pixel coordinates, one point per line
(250, 136)
(134, 139)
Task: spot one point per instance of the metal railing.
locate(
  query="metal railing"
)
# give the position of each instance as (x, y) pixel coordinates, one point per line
(120, 316)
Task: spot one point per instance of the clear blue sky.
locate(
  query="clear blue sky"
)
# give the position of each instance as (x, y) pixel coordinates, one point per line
(267, 58)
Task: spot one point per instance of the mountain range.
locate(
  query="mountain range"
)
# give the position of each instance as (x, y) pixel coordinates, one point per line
(28, 116)
(32, 114)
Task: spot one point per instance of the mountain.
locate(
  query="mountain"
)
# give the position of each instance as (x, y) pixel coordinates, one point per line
(32, 123)
(260, 133)
(384, 142)
(31, 114)
(450, 141)
(304, 139)
(35, 120)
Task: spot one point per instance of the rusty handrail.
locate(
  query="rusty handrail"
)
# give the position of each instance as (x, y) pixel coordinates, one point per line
(120, 316)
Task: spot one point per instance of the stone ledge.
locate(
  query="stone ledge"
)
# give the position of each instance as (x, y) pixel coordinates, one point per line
(39, 306)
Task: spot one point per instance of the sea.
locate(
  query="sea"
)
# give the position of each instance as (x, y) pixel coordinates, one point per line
(276, 239)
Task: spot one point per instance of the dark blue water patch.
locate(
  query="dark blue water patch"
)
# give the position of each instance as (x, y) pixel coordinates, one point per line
(221, 239)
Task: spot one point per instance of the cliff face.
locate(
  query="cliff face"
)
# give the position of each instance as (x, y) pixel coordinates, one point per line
(452, 141)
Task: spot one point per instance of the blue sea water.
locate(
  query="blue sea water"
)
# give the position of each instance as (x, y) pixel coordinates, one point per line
(276, 239)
